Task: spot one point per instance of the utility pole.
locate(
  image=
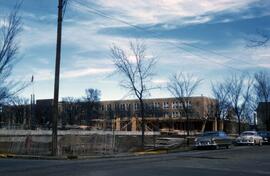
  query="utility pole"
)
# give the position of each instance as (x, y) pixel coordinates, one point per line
(56, 79)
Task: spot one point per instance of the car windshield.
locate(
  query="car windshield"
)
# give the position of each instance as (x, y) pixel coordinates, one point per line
(248, 134)
(264, 133)
(210, 134)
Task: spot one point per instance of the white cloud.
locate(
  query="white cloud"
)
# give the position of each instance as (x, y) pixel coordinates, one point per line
(3, 23)
(86, 72)
(42, 74)
(264, 65)
(197, 20)
(35, 36)
(43, 61)
(47, 74)
(80, 62)
(141, 11)
(82, 35)
(160, 81)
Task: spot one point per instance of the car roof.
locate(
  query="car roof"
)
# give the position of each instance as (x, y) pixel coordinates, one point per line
(214, 132)
(249, 131)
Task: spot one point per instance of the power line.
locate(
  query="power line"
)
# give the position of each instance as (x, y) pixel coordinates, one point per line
(102, 14)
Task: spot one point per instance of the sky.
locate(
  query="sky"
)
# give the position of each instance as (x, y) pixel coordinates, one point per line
(205, 38)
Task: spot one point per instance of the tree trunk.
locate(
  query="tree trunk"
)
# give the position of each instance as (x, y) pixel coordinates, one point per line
(203, 125)
(187, 128)
(143, 123)
(239, 125)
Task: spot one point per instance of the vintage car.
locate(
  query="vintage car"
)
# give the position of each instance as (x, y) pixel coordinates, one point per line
(249, 138)
(166, 143)
(265, 135)
(213, 139)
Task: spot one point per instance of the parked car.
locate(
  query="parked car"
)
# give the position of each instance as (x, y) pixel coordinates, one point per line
(265, 135)
(214, 139)
(249, 138)
(168, 142)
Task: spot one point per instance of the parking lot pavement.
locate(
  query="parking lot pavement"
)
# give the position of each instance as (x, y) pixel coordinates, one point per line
(243, 160)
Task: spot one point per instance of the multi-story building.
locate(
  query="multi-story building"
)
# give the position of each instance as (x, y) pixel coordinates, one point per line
(163, 114)
(170, 115)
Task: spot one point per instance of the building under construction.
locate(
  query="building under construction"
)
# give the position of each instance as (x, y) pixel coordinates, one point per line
(166, 115)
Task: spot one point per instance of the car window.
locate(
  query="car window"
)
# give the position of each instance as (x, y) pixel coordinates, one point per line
(222, 134)
(262, 133)
(248, 133)
(210, 134)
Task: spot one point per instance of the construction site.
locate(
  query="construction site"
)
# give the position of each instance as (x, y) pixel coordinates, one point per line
(117, 128)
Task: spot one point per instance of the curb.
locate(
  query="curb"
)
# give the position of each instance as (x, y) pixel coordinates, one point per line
(76, 157)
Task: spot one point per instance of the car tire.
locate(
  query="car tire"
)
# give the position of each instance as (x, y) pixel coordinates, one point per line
(228, 146)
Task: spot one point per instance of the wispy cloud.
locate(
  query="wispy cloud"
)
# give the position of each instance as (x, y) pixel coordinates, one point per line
(212, 25)
(86, 72)
(160, 81)
(47, 74)
(160, 11)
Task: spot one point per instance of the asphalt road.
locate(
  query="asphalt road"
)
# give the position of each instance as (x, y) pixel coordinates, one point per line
(245, 160)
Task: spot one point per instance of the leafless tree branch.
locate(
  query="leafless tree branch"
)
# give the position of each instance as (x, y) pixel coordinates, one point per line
(239, 95)
(182, 87)
(137, 71)
(8, 52)
(262, 86)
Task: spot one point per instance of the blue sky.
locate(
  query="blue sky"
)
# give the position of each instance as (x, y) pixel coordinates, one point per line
(211, 36)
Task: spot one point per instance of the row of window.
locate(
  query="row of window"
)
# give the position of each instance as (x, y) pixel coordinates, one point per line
(165, 105)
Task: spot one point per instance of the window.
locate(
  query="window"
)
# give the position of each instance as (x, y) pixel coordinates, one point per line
(156, 105)
(108, 107)
(123, 106)
(174, 105)
(165, 105)
(166, 114)
(136, 106)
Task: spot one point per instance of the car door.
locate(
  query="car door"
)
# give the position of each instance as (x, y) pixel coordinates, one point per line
(224, 139)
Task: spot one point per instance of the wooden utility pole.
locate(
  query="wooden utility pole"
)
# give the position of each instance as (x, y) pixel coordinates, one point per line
(56, 79)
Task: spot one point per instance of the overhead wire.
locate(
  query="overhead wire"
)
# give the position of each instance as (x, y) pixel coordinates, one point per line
(102, 14)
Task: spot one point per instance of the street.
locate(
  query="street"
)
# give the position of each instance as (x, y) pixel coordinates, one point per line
(243, 160)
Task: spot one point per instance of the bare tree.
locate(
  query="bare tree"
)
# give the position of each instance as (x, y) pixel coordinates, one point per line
(220, 92)
(239, 95)
(182, 87)
(209, 110)
(21, 110)
(8, 52)
(262, 94)
(70, 110)
(92, 95)
(137, 73)
(262, 86)
(16, 112)
(91, 104)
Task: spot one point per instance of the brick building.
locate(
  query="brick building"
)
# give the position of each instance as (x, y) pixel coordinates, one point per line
(161, 114)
